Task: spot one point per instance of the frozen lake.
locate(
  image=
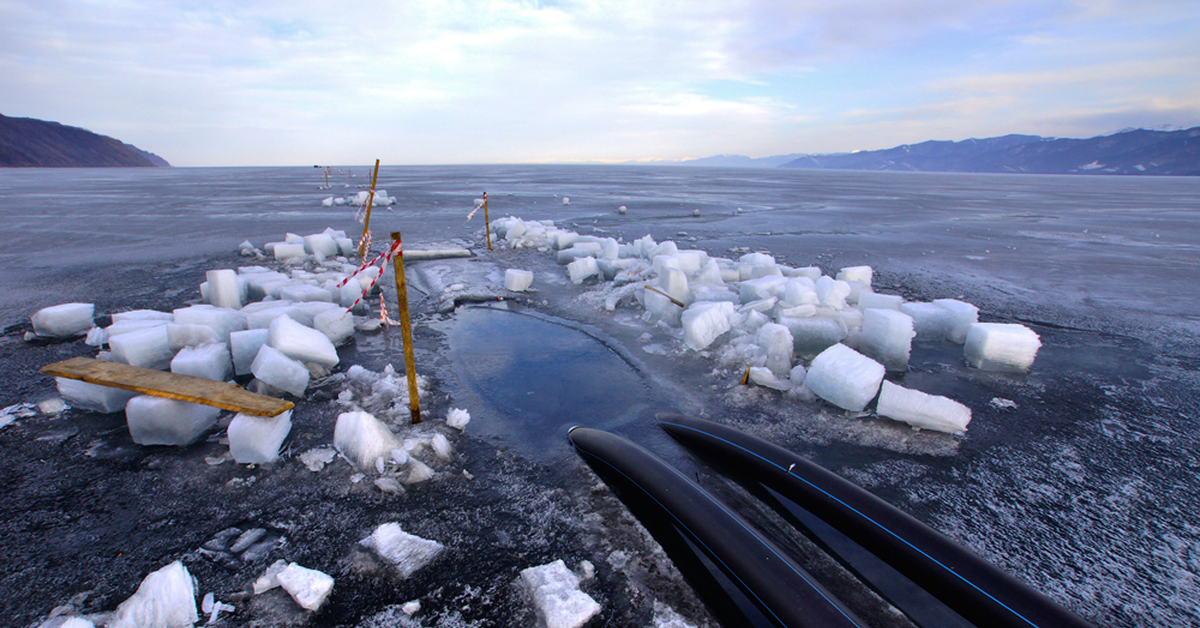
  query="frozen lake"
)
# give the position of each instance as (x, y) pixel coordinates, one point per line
(1084, 486)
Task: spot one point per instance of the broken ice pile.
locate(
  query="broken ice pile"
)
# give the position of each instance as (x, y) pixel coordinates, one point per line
(764, 317)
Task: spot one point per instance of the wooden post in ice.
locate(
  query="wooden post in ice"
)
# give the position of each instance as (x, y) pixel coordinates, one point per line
(362, 245)
(487, 224)
(410, 364)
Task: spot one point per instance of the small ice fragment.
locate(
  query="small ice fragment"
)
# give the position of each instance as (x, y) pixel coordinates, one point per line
(418, 473)
(517, 280)
(555, 593)
(164, 598)
(269, 578)
(388, 485)
(458, 418)
(362, 438)
(316, 459)
(405, 552)
(308, 587)
(411, 608)
(1000, 403)
(441, 446)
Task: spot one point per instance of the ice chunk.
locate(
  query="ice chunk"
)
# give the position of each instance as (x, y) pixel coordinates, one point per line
(578, 251)
(63, 320)
(284, 252)
(165, 599)
(800, 291)
(180, 336)
(299, 292)
(148, 348)
(1005, 347)
(142, 315)
(75, 622)
(210, 361)
(362, 438)
(224, 320)
(860, 274)
(223, 289)
(704, 322)
(256, 439)
(555, 593)
(763, 376)
(811, 336)
(337, 325)
(922, 410)
(674, 282)
(244, 346)
(301, 343)
(887, 337)
(308, 587)
(832, 293)
(844, 377)
(582, 269)
(94, 397)
(280, 371)
(517, 280)
(930, 321)
(762, 288)
(962, 316)
(660, 307)
(406, 553)
(776, 340)
(321, 243)
(458, 418)
(161, 421)
(441, 446)
(867, 300)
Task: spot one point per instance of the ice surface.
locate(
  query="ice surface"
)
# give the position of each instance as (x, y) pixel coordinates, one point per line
(704, 321)
(887, 337)
(922, 410)
(844, 377)
(301, 343)
(161, 421)
(308, 587)
(405, 552)
(458, 418)
(555, 593)
(517, 280)
(362, 438)
(962, 316)
(244, 346)
(148, 348)
(256, 439)
(776, 340)
(930, 321)
(1005, 347)
(102, 399)
(223, 289)
(336, 324)
(223, 320)
(280, 371)
(210, 361)
(63, 320)
(165, 599)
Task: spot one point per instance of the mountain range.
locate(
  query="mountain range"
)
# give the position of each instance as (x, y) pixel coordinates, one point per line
(1132, 151)
(28, 142)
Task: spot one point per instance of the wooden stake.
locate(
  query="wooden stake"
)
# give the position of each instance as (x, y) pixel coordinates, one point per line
(673, 299)
(362, 245)
(746, 377)
(487, 224)
(410, 365)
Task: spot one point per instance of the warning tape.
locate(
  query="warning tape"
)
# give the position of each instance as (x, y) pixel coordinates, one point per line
(482, 202)
(395, 250)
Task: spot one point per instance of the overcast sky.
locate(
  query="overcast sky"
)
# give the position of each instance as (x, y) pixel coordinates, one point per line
(253, 82)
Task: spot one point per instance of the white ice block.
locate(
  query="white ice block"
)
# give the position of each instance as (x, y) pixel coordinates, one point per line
(161, 421)
(887, 337)
(165, 599)
(800, 291)
(1005, 347)
(223, 288)
(301, 343)
(180, 336)
(210, 361)
(811, 336)
(337, 325)
(710, 274)
(844, 377)
(930, 321)
(256, 439)
(704, 321)
(63, 320)
(222, 319)
(962, 316)
(94, 397)
(582, 268)
(244, 346)
(298, 291)
(406, 553)
(285, 252)
(142, 315)
(776, 340)
(280, 371)
(321, 243)
(762, 288)
(660, 307)
(555, 593)
(362, 438)
(918, 409)
(861, 274)
(517, 280)
(832, 293)
(148, 348)
(308, 587)
(867, 300)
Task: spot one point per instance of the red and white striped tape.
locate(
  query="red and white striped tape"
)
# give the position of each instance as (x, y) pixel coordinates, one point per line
(481, 204)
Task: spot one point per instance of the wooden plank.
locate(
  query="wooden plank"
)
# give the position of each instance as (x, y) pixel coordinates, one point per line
(222, 395)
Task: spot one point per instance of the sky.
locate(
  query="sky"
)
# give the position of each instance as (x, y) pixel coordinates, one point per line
(300, 82)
